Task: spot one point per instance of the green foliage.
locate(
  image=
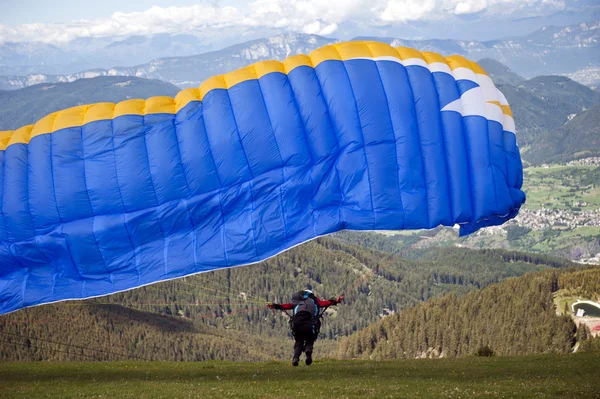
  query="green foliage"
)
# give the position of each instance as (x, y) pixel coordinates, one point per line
(583, 333)
(390, 243)
(516, 317)
(591, 344)
(514, 232)
(80, 331)
(485, 351)
(584, 283)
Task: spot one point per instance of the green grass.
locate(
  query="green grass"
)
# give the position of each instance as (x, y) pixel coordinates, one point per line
(542, 376)
(592, 197)
(561, 298)
(583, 231)
(561, 240)
(559, 187)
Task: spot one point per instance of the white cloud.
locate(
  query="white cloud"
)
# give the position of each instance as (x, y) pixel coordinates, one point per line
(317, 28)
(506, 7)
(469, 7)
(310, 16)
(408, 10)
(151, 21)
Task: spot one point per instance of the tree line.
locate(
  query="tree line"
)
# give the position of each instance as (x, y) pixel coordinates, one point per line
(514, 317)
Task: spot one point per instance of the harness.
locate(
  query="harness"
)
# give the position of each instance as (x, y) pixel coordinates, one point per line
(304, 302)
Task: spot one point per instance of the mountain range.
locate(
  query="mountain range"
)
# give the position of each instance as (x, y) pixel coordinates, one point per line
(544, 106)
(549, 51)
(571, 50)
(25, 106)
(24, 58)
(186, 71)
(63, 51)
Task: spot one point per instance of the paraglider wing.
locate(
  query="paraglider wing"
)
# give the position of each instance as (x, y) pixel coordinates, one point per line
(107, 197)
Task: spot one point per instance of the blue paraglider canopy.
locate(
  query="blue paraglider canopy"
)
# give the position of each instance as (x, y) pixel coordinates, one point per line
(107, 197)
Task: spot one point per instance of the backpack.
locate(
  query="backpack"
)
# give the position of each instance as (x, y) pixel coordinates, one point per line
(306, 313)
(304, 301)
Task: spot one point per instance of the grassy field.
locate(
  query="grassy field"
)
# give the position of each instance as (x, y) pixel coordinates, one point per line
(558, 239)
(559, 187)
(544, 376)
(561, 299)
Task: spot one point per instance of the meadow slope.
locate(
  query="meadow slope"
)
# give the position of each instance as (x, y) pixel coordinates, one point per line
(550, 376)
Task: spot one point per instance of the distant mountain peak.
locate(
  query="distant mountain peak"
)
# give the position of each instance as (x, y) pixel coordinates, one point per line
(571, 50)
(500, 73)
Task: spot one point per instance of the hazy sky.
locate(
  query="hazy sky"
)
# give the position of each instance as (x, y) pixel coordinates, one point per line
(34, 20)
(35, 11)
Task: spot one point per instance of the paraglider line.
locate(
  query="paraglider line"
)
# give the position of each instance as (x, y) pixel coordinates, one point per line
(344, 282)
(132, 305)
(208, 290)
(201, 291)
(44, 348)
(358, 282)
(73, 346)
(222, 285)
(212, 314)
(235, 286)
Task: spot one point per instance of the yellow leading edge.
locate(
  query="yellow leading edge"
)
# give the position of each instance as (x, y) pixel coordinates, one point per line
(83, 114)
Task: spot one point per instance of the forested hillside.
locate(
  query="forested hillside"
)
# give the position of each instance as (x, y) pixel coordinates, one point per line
(26, 106)
(542, 105)
(222, 314)
(114, 332)
(514, 317)
(578, 138)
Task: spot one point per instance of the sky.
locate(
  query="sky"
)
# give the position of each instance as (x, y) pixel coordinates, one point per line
(65, 20)
(37, 11)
